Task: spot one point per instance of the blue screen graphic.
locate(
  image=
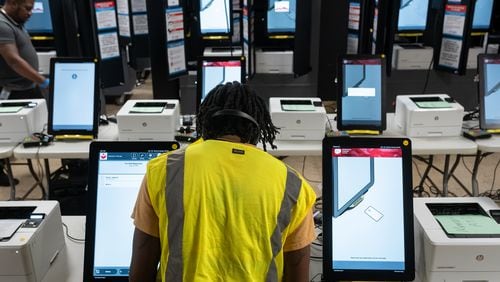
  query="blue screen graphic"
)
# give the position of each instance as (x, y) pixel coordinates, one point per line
(362, 93)
(482, 14)
(413, 15)
(40, 21)
(492, 93)
(281, 16)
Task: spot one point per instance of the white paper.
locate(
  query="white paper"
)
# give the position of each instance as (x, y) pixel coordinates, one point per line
(175, 24)
(360, 92)
(124, 25)
(450, 52)
(9, 226)
(105, 15)
(176, 57)
(172, 3)
(108, 45)
(122, 6)
(138, 6)
(140, 23)
(354, 13)
(454, 20)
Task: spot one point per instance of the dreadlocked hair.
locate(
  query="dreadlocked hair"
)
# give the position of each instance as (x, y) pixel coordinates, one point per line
(239, 97)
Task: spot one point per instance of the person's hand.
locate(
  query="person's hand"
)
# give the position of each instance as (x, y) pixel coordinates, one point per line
(45, 84)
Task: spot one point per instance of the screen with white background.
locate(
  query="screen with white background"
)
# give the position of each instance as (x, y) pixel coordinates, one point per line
(370, 234)
(215, 73)
(119, 179)
(73, 105)
(215, 16)
(413, 15)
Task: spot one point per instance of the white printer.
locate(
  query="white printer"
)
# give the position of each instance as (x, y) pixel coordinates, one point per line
(456, 255)
(148, 120)
(31, 238)
(298, 118)
(21, 118)
(428, 115)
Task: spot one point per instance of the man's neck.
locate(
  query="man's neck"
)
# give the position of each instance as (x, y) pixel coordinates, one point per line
(230, 138)
(7, 11)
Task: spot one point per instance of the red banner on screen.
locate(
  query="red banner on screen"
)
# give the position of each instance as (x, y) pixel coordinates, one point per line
(367, 152)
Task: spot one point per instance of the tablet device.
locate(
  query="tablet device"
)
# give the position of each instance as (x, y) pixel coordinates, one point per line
(215, 17)
(73, 102)
(367, 209)
(213, 71)
(361, 92)
(489, 90)
(116, 171)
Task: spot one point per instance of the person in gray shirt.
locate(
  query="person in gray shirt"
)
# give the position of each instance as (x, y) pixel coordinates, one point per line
(19, 77)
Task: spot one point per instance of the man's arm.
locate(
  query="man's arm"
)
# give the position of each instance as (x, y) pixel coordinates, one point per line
(11, 56)
(296, 266)
(145, 257)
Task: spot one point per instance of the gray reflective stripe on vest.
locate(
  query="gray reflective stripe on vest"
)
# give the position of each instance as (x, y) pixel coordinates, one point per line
(292, 189)
(175, 212)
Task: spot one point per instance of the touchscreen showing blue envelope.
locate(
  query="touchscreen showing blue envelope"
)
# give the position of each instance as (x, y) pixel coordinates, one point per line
(367, 219)
(492, 90)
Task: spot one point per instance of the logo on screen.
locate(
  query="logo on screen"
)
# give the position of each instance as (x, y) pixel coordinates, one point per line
(337, 151)
(103, 156)
(74, 76)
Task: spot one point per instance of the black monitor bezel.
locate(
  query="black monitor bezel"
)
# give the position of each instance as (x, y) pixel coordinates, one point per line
(199, 72)
(369, 275)
(70, 60)
(340, 90)
(95, 148)
(207, 35)
(482, 91)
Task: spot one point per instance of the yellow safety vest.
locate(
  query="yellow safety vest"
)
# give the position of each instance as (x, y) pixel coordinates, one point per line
(225, 210)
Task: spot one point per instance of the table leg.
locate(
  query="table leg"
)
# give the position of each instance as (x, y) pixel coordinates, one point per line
(475, 185)
(8, 169)
(446, 175)
(425, 175)
(47, 176)
(38, 182)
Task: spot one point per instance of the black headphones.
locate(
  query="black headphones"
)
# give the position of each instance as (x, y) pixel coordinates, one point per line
(236, 113)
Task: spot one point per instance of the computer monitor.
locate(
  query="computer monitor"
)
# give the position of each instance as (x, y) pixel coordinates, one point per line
(367, 209)
(215, 17)
(40, 20)
(116, 171)
(73, 97)
(482, 15)
(281, 16)
(213, 71)
(413, 15)
(361, 95)
(489, 90)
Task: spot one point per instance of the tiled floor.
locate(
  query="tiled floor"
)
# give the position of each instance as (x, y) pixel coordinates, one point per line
(310, 167)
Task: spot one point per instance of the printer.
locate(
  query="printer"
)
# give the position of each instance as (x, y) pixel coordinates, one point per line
(31, 237)
(457, 239)
(21, 118)
(298, 118)
(148, 120)
(428, 115)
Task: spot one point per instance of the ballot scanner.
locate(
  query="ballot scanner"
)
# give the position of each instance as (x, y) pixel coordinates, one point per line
(148, 120)
(21, 118)
(298, 118)
(457, 239)
(428, 115)
(31, 237)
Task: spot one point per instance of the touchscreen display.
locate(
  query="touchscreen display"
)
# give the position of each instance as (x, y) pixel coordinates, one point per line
(119, 178)
(491, 90)
(362, 92)
(215, 73)
(215, 16)
(368, 215)
(482, 14)
(413, 15)
(40, 20)
(281, 16)
(73, 96)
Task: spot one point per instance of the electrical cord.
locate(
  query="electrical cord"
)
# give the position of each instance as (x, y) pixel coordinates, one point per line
(428, 75)
(71, 237)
